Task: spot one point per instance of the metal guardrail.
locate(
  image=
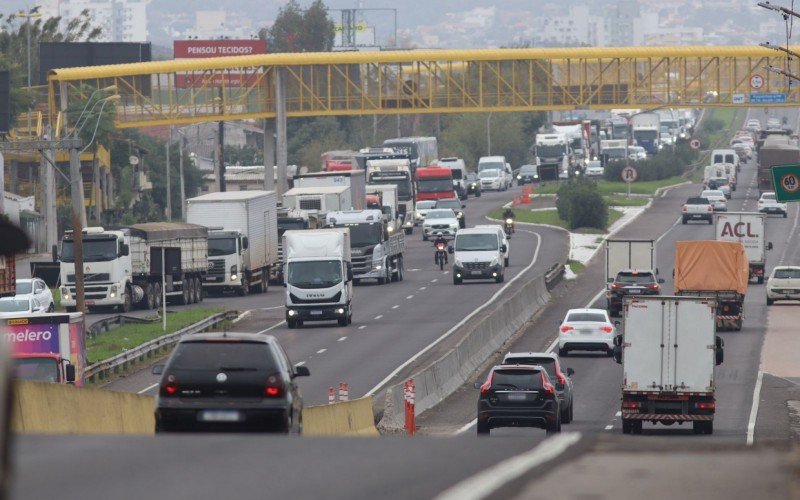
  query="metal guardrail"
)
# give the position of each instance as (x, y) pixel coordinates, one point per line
(554, 276)
(103, 369)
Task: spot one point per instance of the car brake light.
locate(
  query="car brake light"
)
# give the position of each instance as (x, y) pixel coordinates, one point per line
(561, 378)
(488, 384)
(653, 286)
(274, 387)
(617, 286)
(169, 389)
(607, 329)
(547, 386)
(566, 328)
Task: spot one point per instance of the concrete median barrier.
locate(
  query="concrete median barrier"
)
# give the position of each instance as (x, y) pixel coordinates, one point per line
(483, 337)
(346, 418)
(43, 408)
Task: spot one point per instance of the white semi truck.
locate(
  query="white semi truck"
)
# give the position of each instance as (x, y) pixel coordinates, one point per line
(377, 253)
(554, 156)
(318, 276)
(749, 229)
(668, 353)
(242, 238)
(123, 267)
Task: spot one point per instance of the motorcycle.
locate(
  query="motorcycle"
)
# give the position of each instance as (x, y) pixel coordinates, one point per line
(509, 226)
(441, 255)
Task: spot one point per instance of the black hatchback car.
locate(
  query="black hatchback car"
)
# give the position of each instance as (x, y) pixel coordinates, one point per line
(518, 396)
(473, 184)
(631, 282)
(528, 174)
(229, 382)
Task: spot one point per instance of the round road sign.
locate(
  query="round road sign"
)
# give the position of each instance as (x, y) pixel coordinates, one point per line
(790, 183)
(756, 81)
(629, 174)
(695, 144)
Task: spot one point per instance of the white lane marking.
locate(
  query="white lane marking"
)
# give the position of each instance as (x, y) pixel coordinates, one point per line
(276, 325)
(434, 280)
(271, 308)
(609, 427)
(148, 388)
(751, 423)
(488, 481)
(618, 414)
(409, 297)
(462, 322)
(301, 363)
(467, 427)
(395, 307)
(321, 351)
(362, 327)
(341, 339)
(423, 287)
(379, 316)
(242, 316)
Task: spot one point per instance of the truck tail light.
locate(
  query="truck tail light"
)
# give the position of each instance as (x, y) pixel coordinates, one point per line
(710, 405)
(631, 405)
(566, 328)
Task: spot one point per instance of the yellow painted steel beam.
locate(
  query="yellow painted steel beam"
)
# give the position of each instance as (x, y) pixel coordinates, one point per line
(430, 81)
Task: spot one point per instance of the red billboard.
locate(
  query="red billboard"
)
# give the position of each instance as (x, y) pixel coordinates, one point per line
(191, 49)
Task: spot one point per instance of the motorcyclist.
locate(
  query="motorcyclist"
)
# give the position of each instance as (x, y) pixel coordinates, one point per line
(440, 240)
(509, 214)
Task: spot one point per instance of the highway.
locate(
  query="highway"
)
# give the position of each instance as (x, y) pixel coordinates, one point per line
(393, 322)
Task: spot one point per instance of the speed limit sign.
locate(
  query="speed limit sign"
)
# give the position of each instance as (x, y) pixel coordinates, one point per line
(790, 183)
(756, 81)
(695, 144)
(787, 182)
(629, 174)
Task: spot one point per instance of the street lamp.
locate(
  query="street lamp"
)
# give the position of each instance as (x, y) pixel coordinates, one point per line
(28, 16)
(489, 134)
(182, 133)
(110, 88)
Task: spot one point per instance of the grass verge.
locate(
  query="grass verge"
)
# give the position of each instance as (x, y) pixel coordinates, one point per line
(607, 188)
(128, 336)
(576, 266)
(551, 217)
(56, 298)
(622, 201)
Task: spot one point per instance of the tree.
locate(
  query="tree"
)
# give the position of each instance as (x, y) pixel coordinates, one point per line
(465, 135)
(580, 204)
(299, 30)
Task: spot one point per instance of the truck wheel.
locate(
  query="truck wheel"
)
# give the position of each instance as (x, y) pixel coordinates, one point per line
(770, 301)
(149, 300)
(264, 280)
(483, 428)
(627, 426)
(697, 427)
(126, 304)
(709, 427)
(157, 295)
(400, 271)
(394, 274)
(243, 289)
(760, 280)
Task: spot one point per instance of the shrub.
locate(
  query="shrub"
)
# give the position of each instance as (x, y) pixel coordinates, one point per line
(669, 163)
(580, 204)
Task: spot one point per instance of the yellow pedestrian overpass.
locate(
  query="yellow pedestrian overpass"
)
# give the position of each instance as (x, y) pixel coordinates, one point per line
(432, 81)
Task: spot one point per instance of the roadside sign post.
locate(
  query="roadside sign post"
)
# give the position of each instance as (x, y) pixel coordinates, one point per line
(786, 179)
(629, 175)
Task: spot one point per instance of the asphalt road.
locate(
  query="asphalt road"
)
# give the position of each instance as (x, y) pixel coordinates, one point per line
(391, 322)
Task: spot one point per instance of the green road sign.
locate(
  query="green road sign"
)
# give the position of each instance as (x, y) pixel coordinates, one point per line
(787, 182)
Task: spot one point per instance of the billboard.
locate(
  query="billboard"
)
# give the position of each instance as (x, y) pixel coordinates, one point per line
(54, 55)
(193, 49)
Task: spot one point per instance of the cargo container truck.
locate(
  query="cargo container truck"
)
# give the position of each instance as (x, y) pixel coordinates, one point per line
(749, 229)
(376, 253)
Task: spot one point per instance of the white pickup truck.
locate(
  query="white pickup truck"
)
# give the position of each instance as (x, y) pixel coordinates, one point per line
(697, 209)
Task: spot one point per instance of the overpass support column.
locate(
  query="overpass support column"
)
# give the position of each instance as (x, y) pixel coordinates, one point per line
(282, 153)
(269, 154)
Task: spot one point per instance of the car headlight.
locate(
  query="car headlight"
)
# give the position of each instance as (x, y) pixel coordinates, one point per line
(112, 291)
(418, 216)
(495, 262)
(390, 229)
(459, 215)
(292, 312)
(519, 177)
(454, 225)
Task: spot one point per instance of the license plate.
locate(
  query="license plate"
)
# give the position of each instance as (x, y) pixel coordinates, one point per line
(211, 278)
(635, 290)
(586, 332)
(516, 397)
(315, 313)
(220, 416)
(697, 216)
(477, 273)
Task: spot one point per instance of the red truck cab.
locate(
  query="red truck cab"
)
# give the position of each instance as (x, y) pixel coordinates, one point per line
(435, 183)
(43, 367)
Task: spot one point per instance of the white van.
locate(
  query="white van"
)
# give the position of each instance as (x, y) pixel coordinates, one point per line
(499, 163)
(479, 254)
(725, 156)
(503, 238)
(459, 170)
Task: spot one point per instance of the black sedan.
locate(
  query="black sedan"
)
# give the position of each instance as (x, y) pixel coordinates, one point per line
(229, 382)
(518, 396)
(473, 184)
(528, 174)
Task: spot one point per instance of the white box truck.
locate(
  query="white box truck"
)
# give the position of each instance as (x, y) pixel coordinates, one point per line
(749, 229)
(242, 238)
(318, 276)
(355, 179)
(668, 353)
(318, 200)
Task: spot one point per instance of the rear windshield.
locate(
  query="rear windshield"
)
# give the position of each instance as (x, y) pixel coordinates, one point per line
(223, 356)
(769, 197)
(523, 380)
(787, 273)
(449, 204)
(697, 201)
(586, 316)
(549, 364)
(638, 278)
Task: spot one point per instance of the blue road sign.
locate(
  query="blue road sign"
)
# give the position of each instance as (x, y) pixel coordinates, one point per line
(767, 98)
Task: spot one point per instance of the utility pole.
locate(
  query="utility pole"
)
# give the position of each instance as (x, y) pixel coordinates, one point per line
(221, 154)
(280, 129)
(269, 154)
(181, 145)
(169, 181)
(78, 216)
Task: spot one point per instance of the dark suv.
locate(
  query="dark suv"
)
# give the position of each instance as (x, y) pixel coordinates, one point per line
(518, 396)
(631, 282)
(561, 379)
(457, 207)
(229, 381)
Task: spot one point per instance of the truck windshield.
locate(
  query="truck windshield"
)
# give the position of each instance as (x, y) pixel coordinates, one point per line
(361, 235)
(93, 250)
(645, 135)
(403, 185)
(13, 305)
(315, 274)
(476, 242)
(550, 150)
(40, 369)
(615, 152)
(221, 246)
(486, 165)
(434, 185)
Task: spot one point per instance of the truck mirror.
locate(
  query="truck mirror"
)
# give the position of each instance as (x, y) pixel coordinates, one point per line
(54, 251)
(157, 369)
(477, 385)
(503, 248)
(610, 280)
(618, 340)
(124, 250)
(769, 245)
(450, 249)
(245, 243)
(70, 369)
(570, 372)
(618, 355)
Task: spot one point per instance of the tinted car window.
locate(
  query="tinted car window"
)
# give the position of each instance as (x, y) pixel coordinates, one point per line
(697, 201)
(455, 204)
(23, 288)
(223, 356)
(578, 317)
(787, 273)
(636, 279)
(549, 364)
(516, 380)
